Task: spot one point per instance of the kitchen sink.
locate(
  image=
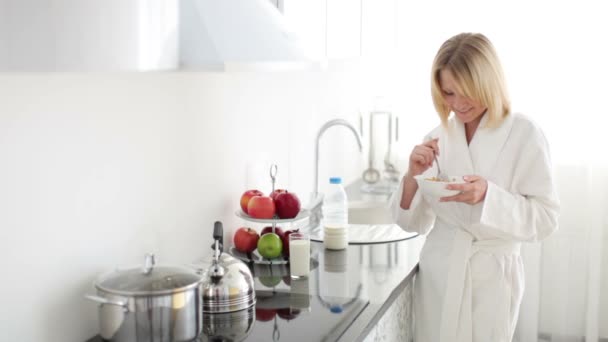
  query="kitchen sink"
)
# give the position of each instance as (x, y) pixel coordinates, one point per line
(367, 212)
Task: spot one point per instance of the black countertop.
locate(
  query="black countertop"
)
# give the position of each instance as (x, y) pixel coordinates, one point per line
(345, 295)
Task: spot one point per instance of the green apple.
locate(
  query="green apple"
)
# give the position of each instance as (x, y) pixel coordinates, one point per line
(270, 281)
(270, 245)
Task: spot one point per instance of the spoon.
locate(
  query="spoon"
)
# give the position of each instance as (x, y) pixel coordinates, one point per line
(371, 175)
(389, 169)
(440, 175)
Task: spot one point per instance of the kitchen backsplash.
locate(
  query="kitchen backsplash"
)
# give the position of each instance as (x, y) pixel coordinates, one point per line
(98, 169)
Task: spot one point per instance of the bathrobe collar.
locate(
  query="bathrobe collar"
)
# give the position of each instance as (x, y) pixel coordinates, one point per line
(481, 154)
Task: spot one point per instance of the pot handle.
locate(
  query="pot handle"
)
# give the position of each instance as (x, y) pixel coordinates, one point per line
(102, 300)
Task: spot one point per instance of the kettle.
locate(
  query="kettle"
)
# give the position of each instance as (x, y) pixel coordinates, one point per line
(227, 282)
(230, 326)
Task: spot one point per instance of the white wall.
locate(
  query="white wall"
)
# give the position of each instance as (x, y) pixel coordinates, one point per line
(97, 169)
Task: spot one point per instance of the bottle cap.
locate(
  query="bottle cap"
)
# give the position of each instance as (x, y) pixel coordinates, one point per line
(335, 180)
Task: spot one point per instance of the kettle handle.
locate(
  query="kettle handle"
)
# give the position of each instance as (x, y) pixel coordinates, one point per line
(217, 271)
(218, 235)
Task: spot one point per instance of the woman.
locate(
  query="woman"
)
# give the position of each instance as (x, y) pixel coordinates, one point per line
(471, 278)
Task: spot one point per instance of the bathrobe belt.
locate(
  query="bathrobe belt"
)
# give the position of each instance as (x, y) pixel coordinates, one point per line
(456, 320)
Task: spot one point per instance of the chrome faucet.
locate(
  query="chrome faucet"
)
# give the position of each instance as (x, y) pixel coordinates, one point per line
(315, 200)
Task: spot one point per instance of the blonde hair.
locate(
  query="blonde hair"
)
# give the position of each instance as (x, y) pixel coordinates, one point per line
(471, 58)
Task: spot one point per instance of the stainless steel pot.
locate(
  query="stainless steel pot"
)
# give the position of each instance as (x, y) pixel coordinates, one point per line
(227, 282)
(150, 304)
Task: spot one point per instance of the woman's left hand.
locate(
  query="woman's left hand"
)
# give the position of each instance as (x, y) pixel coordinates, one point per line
(471, 192)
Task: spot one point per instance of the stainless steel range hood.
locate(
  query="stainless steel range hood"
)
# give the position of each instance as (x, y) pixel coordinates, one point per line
(98, 35)
(238, 35)
(145, 35)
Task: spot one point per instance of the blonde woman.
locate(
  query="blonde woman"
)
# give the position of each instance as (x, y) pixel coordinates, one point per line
(471, 278)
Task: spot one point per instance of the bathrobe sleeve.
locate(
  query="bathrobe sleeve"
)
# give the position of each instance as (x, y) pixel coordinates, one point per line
(529, 209)
(419, 218)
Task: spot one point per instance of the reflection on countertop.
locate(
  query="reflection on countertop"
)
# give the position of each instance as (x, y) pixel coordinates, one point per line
(366, 234)
(345, 295)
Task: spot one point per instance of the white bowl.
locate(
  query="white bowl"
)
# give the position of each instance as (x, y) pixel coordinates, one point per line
(435, 189)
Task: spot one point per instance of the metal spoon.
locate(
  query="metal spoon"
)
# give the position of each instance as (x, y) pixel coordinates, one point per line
(440, 175)
(389, 169)
(371, 175)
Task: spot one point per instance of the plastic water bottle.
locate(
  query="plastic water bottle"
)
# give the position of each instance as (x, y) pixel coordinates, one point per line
(335, 215)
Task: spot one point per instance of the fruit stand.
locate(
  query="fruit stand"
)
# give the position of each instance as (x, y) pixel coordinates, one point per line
(271, 245)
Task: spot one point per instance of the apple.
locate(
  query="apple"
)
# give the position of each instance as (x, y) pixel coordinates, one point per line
(264, 315)
(285, 239)
(274, 194)
(287, 205)
(288, 313)
(261, 207)
(246, 196)
(270, 245)
(277, 230)
(270, 281)
(246, 239)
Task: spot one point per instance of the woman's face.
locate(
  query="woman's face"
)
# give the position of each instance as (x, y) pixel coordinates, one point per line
(466, 109)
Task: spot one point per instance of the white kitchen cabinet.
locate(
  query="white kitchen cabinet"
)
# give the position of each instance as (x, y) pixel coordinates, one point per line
(308, 20)
(379, 27)
(338, 29)
(343, 29)
(329, 28)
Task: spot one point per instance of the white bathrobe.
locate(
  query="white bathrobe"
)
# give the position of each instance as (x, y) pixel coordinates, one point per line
(471, 277)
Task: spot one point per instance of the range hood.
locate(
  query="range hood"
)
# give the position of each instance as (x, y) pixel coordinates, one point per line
(84, 36)
(146, 35)
(238, 35)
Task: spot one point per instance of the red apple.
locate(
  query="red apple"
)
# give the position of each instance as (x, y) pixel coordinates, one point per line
(264, 315)
(246, 240)
(277, 230)
(261, 207)
(246, 196)
(288, 313)
(285, 239)
(274, 194)
(288, 205)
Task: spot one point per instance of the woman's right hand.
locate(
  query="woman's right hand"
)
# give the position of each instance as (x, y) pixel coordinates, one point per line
(422, 157)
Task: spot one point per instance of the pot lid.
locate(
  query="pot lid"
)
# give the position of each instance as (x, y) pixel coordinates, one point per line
(151, 279)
